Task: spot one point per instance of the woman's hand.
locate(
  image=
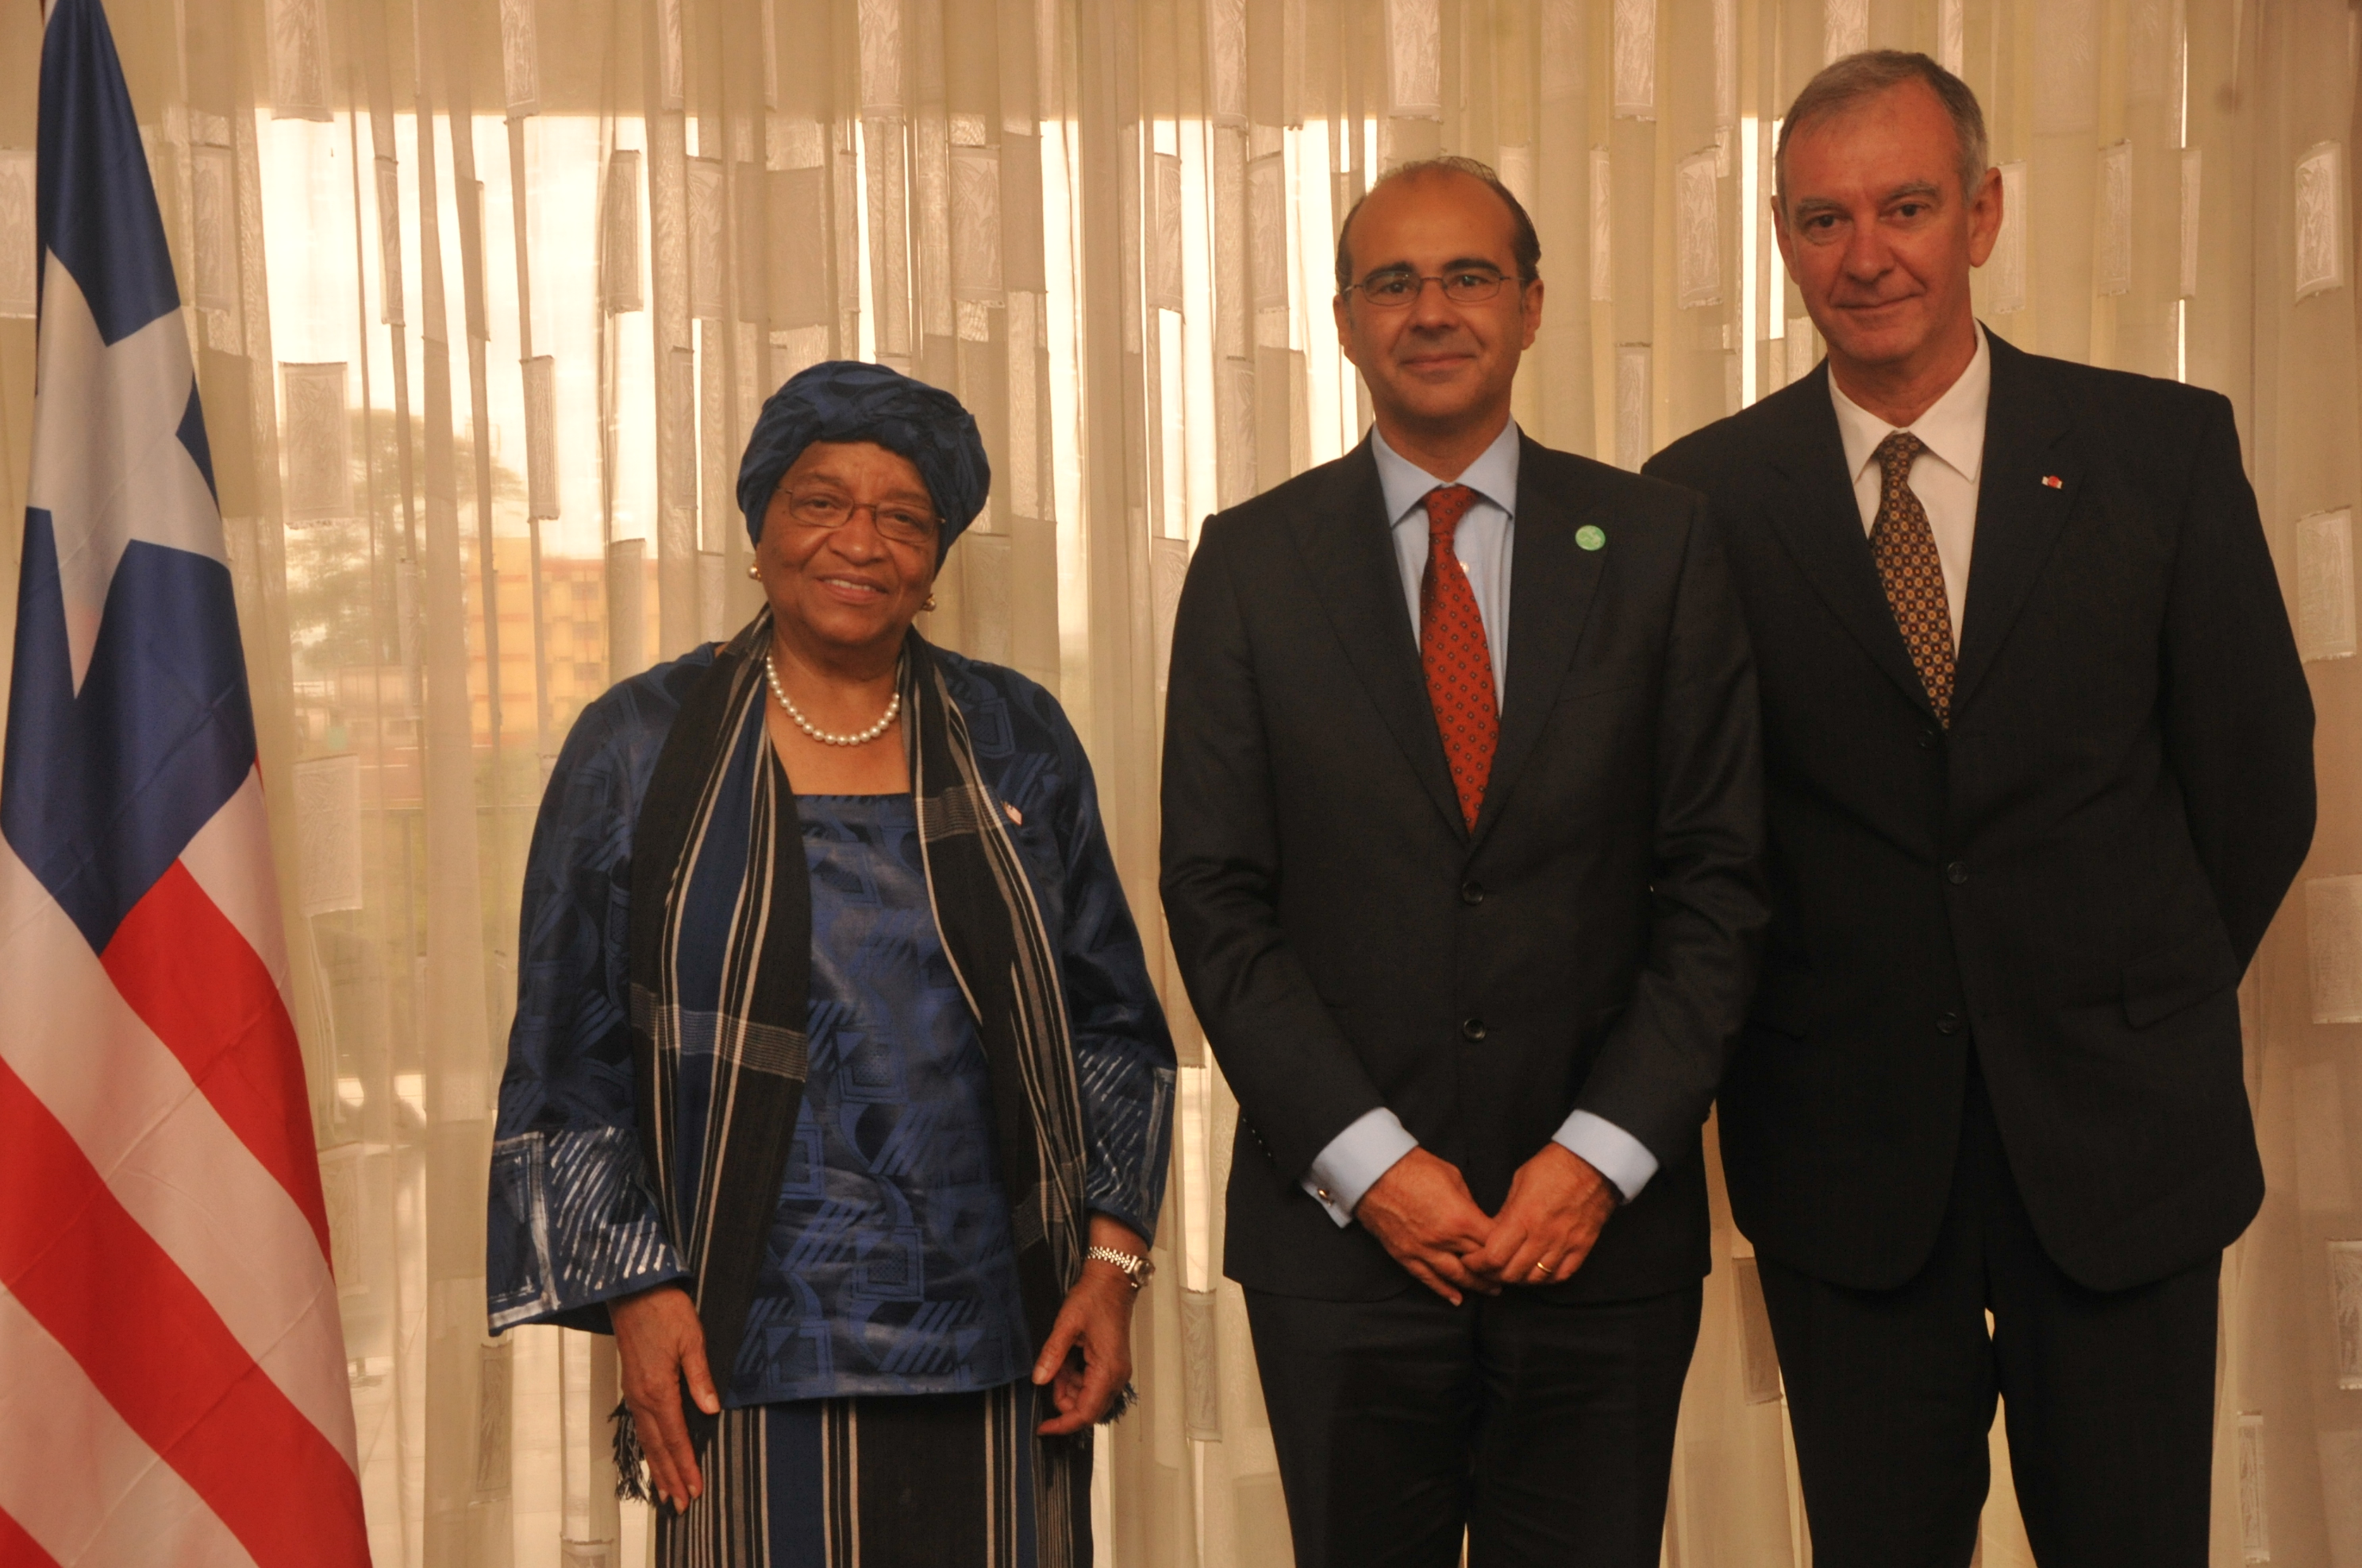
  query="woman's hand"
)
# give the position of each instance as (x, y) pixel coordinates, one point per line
(1089, 1358)
(659, 1341)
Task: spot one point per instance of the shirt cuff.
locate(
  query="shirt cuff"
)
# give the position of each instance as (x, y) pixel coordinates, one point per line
(1355, 1159)
(1615, 1154)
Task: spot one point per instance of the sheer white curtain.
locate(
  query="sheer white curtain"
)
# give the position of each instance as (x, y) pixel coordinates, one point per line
(485, 293)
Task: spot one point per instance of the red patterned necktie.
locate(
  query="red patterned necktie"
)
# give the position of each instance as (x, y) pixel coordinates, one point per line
(1453, 650)
(1904, 545)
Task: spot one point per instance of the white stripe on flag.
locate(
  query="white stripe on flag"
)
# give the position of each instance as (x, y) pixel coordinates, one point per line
(170, 1159)
(230, 858)
(80, 1482)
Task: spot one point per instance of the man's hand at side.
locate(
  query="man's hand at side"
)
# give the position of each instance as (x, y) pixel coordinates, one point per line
(1558, 1205)
(1421, 1212)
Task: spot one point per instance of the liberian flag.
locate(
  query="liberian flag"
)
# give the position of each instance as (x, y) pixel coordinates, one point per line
(173, 1383)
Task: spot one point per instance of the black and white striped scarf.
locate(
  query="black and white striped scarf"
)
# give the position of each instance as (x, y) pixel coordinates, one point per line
(992, 932)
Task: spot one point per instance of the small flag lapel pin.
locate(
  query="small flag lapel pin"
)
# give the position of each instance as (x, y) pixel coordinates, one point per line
(2054, 481)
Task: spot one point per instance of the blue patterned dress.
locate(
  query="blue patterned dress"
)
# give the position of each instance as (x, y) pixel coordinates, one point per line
(889, 1268)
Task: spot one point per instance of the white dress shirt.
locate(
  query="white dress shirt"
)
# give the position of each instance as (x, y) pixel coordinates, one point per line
(1944, 477)
(1484, 542)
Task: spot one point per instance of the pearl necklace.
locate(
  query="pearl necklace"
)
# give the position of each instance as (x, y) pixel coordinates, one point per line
(771, 674)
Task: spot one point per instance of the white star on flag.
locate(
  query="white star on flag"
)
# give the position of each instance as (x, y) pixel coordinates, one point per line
(119, 471)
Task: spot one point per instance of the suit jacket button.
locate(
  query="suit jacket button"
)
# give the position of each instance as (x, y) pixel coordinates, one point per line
(1928, 739)
(1471, 891)
(1951, 1024)
(1472, 1029)
(1955, 873)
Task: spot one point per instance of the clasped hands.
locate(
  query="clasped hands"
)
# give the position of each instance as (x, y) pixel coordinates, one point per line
(1422, 1213)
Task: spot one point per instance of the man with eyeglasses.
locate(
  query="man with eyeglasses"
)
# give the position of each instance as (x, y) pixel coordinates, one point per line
(1461, 823)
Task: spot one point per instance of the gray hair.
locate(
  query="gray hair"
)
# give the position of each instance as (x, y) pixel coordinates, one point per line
(1845, 82)
(1525, 244)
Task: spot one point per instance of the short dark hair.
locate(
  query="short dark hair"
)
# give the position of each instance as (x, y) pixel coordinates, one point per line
(1525, 244)
(1844, 83)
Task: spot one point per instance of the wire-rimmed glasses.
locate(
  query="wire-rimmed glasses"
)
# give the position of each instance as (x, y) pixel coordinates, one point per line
(1391, 288)
(897, 522)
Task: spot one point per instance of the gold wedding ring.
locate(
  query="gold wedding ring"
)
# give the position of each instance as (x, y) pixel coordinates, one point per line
(1542, 1268)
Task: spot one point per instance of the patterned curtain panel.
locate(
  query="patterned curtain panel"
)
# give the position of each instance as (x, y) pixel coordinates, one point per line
(485, 294)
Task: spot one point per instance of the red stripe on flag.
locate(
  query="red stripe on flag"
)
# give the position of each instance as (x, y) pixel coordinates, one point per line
(193, 977)
(18, 1550)
(156, 1349)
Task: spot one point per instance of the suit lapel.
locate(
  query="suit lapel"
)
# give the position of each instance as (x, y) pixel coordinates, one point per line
(1821, 526)
(1351, 558)
(1552, 584)
(2019, 514)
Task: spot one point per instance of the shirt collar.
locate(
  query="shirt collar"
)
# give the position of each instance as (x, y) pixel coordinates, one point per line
(1494, 475)
(1953, 428)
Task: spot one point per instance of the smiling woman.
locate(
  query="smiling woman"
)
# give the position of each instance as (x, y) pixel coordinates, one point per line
(872, 1170)
(847, 554)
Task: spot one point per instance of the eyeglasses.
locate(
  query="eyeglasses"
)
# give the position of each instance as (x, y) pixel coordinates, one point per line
(1396, 287)
(896, 523)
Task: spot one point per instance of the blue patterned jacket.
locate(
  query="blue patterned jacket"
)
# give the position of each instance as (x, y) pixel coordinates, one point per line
(573, 1222)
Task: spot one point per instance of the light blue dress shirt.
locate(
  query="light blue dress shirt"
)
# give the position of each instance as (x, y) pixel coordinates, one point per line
(1484, 542)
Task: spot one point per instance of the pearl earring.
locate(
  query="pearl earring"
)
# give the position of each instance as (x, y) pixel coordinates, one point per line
(930, 604)
(753, 571)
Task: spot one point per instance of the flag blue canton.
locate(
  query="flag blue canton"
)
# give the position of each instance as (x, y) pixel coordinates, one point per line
(94, 204)
(129, 723)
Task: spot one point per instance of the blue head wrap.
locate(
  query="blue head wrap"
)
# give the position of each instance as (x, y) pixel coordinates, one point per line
(846, 399)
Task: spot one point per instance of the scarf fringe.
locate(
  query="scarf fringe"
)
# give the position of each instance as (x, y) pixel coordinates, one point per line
(631, 1464)
(1121, 1406)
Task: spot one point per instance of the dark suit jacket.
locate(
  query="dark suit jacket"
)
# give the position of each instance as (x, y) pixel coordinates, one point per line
(1349, 944)
(2072, 878)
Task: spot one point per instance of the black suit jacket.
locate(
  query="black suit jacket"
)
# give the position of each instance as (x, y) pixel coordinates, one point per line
(1348, 943)
(2071, 880)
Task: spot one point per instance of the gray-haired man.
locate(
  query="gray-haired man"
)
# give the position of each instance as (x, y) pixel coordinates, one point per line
(2039, 771)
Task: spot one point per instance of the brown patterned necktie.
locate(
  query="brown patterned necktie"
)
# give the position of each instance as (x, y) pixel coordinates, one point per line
(1905, 548)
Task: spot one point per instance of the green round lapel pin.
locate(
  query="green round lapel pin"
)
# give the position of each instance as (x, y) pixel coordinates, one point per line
(1591, 537)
